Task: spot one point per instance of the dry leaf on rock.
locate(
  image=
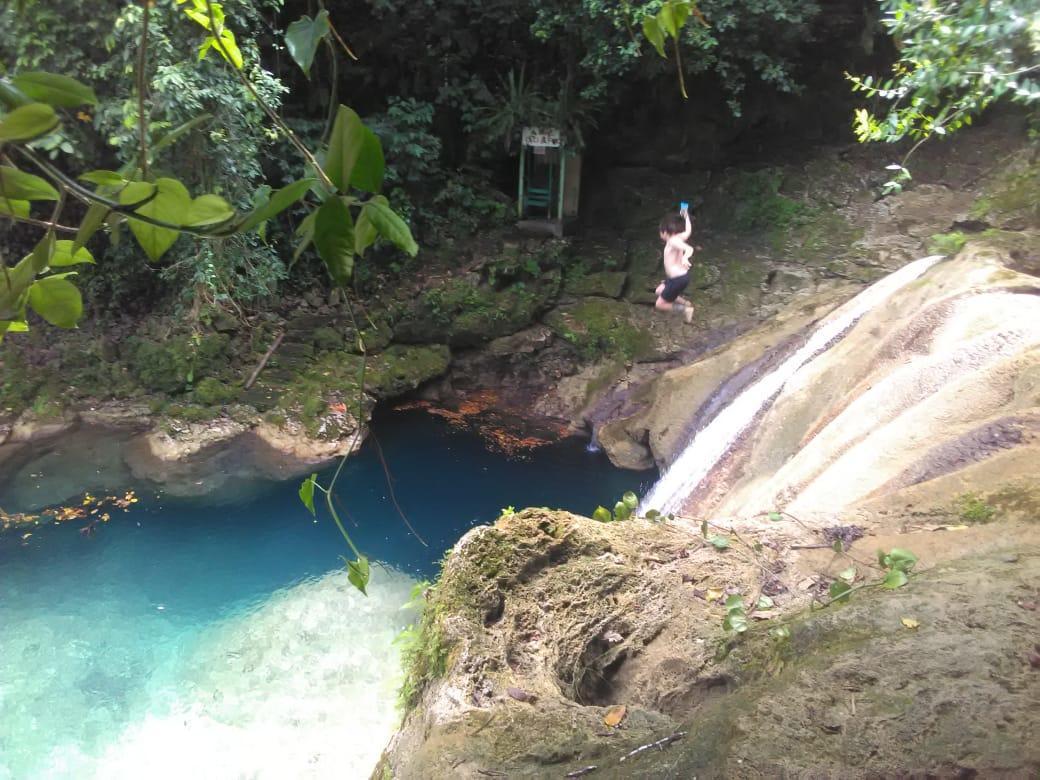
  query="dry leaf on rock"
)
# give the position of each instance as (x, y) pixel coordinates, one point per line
(615, 715)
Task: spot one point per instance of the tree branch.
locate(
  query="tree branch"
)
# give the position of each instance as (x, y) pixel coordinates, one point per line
(142, 116)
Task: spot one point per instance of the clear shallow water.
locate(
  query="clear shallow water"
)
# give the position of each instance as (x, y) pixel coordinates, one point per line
(218, 637)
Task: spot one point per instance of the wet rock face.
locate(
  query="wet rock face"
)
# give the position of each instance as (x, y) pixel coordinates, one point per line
(932, 382)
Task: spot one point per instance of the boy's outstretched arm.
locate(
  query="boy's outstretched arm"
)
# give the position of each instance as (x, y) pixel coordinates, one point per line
(689, 227)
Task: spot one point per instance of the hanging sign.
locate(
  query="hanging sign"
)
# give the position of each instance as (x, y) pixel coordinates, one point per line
(541, 136)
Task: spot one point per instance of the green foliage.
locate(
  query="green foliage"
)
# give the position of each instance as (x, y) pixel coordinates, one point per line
(956, 57)
(424, 650)
(623, 509)
(669, 22)
(947, 243)
(755, 202)
(719, 542)
(303, 37)
(736, 618)
(973, 509)
(210, 391)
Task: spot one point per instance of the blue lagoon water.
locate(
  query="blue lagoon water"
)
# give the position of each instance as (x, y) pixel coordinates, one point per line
(218, 637)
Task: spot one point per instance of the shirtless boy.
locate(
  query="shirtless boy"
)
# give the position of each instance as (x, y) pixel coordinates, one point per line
(674, 230)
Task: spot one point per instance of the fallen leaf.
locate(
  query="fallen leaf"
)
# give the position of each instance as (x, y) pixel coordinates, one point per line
(807, 583)
(713, 594)
(764, 614)
(615, 715)
(1030, 605)
(521, 695)
(1034, 660)
(909, 622)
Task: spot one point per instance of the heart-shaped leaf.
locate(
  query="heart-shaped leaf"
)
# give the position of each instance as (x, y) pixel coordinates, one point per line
(358, 573)
(66, 254)
(303, 37)
(171, 202)
(57, 300)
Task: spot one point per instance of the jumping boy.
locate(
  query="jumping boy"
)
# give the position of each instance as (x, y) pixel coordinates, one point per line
(674, 230)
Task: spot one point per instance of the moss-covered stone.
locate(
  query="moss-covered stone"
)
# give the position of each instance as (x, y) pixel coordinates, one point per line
(403, 368)
(210, 391)
(751, 201)
(1012, 199)
(603, 284)
(327, 339)
(465, 314)
(170, 366)
(599, 328)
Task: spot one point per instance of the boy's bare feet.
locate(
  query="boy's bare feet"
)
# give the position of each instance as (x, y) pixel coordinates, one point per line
(688, 313)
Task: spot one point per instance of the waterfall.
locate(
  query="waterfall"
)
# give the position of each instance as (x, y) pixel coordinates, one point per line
(701, 455)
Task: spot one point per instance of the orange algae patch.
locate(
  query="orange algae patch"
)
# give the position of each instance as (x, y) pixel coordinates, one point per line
(501, 433)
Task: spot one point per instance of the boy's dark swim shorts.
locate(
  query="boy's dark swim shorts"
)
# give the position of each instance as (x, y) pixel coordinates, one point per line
(673, 287)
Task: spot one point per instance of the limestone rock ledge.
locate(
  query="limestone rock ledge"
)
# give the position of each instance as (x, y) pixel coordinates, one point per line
(544, 621)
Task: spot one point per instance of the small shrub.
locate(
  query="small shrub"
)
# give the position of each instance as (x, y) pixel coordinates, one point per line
(213, 392)
(972, 509)
(946, 243)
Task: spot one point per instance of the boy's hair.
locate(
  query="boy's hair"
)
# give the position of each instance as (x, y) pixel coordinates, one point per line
(672, 224)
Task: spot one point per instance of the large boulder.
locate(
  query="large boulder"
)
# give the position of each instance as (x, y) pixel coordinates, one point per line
(553, 644)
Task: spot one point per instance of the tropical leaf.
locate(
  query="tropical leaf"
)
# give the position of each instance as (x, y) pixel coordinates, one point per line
(57, 300)
(390, 226)
(28, 122)
(55, 89)
(334, 239)
(19, 185)
(303, 37)
(171, 202)
(208, 210)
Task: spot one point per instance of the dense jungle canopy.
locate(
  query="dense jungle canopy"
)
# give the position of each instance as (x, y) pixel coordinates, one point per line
(446, 86)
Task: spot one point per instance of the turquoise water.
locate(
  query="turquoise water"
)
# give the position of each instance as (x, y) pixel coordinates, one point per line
(219, 638)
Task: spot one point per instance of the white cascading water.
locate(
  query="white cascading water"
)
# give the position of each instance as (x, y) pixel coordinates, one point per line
(699, 457)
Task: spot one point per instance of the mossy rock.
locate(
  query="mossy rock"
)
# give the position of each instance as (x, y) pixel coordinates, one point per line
(212, 392)
(466, 314)
(599, 328)
(403, 368)
(1012, 200)
(752, 201)
(602, 284)
(169, 366)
